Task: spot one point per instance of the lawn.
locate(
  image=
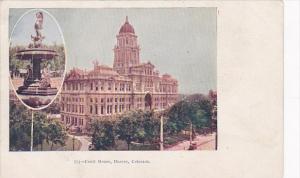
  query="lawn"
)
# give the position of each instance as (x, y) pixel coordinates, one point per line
(57, 147)
(122, 146)
(171, 140)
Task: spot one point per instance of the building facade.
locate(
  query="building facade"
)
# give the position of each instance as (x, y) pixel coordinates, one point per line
(106, 92)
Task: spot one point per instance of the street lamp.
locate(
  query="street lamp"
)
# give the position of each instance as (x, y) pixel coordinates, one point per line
(161, 133)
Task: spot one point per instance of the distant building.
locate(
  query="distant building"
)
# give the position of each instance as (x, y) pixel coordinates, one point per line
(106, 92)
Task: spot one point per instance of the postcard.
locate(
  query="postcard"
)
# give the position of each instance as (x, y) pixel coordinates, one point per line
(141, 89)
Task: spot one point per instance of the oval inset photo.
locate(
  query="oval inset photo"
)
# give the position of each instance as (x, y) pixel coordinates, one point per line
(37, 58)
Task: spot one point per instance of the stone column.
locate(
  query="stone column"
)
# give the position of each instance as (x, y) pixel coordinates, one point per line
(36, 69)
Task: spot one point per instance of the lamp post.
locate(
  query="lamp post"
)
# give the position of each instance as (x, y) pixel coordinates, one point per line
(161, 133)
(191, 133)
(31, 140)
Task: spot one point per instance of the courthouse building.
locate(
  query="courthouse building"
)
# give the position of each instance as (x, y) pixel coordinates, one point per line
(106, 92)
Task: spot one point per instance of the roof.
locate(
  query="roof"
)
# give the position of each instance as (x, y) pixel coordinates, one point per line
(103, 70)
(126, 27)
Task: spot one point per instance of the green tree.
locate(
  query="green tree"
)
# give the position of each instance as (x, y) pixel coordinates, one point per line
(195, 111)
(19, 128)
(40, 129)
(127, 129)
(151, 126)
(103, 136)
(178, 116)
(56, 133)
(54, 108)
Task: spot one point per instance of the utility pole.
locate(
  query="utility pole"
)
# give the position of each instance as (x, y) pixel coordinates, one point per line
(191, 133)
(31, 141)
(161, 133)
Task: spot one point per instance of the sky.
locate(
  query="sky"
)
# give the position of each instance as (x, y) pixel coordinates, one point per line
(24, 28)
(179, 41)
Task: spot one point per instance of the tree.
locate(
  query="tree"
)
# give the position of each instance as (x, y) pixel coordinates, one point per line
(151, 126)
(178, 117)
(19, 128)
(56, 133)
(54, 108)
(39, 129)
(103, 136)
(127, 129)
(195, 111)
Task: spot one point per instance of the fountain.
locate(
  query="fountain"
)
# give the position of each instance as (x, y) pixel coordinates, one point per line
(36, 84)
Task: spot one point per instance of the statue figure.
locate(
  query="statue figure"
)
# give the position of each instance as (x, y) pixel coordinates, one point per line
(45, 81)
(28, 75)
(38, 26)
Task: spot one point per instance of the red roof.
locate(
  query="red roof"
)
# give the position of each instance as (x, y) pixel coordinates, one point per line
(126, 28)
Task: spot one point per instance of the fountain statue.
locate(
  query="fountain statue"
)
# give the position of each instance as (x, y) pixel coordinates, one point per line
(37, 83)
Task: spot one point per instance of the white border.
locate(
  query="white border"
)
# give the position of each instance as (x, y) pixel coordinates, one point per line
(291, 89)
(65, 51)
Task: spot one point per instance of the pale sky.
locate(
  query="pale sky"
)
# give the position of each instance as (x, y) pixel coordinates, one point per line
(178, 41)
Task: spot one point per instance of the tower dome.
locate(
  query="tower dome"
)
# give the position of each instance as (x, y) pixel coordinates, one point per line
(126, 27)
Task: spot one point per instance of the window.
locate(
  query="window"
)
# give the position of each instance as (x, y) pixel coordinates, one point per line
(96, 86)
(109, 86)
(116, 108)
(91, 109)
(91, 87)
(75, 121)
(102, 109)
(107, 110)
(122, 86)
(96, 109)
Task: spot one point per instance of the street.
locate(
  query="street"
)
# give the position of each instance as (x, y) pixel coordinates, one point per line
(203, 143)
(84, 142)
